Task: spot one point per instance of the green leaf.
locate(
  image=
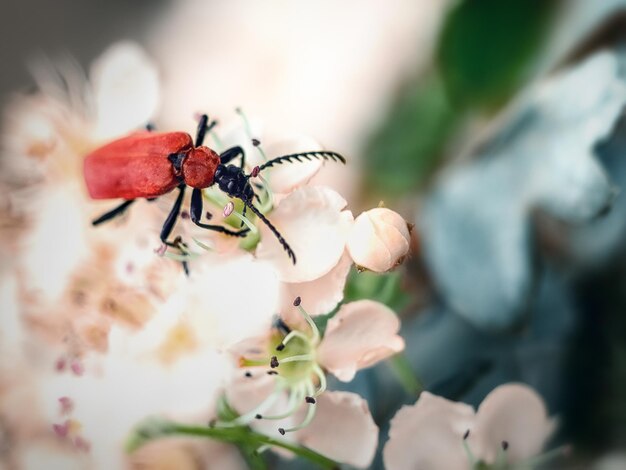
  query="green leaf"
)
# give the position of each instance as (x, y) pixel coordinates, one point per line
(486, 48)
(385, 288)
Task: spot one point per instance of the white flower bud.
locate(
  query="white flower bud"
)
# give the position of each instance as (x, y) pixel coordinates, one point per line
(379, 239)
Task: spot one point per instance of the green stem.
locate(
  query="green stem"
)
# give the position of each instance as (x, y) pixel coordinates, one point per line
(237, 435)
(405, 375)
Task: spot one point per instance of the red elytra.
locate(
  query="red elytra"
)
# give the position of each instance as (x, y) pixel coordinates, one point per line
(137, 166)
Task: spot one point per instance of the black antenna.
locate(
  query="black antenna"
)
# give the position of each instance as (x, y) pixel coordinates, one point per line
(280, 238)
(315, 155)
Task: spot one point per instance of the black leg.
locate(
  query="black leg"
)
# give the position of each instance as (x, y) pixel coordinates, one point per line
(168, 226)
(232, 153)
(196, 215)
(201, 132)
(204, 126)
(282, 241)
(113, 213)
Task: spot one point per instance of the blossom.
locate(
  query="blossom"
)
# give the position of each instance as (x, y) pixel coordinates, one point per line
(379, 239)
(511, 425)
(284, 384)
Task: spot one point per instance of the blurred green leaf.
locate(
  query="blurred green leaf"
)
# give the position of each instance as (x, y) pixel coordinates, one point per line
(406, 148)
(486, 47)
(384, 288)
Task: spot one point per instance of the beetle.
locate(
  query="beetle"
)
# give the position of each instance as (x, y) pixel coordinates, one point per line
(149, 164)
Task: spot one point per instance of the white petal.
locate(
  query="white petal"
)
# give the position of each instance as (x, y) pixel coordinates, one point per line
(428, 435)
(343, 429)
(288, 176)
(514, 413)
(314, 224)
(126, 90)
(359, 335)
(319, 296)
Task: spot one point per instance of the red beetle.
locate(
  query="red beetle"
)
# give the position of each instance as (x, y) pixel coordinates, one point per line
(149, 164)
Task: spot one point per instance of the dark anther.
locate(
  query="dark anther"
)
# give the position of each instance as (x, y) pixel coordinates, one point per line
(248, 374)
(280, 347)
(256, 142)
(255, 171)
(184, 215)
(297, 301)
(208, 215)
(466, 435)
(258, 416)
(310, 400)
(272, 372)
(274, 362)
(505, 445)
(281, 431)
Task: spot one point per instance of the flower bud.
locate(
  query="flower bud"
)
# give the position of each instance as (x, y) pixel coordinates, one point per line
(379, 239)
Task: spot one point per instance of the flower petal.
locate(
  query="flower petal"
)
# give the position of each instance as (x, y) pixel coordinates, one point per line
(126, 90)
(359, 335)
(379, 239)
(319, 296)
(313, 222)
(285, 178)
(514, 413)
(428, 435)
(343, 429)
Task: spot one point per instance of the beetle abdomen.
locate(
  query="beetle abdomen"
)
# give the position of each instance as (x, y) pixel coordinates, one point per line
(135, 166)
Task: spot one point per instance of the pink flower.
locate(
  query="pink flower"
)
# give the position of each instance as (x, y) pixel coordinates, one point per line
(510, 425)
(284, 385)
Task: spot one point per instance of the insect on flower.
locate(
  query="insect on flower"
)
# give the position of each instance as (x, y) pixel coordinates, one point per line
(150, 164)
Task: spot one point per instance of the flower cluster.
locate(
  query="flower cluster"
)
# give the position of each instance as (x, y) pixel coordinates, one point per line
(107, 316)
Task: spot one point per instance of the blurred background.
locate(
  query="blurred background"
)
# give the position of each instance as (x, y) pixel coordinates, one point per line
(495, 127)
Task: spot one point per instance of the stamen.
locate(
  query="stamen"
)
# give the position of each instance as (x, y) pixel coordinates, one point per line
(310, 400)
(295, 400)
(291, 335)
(315, 339)
(252, 414)
(280, 347)
(255, 171)
(317, 370)
(245, 220)
(310, 414)
(248, 374)
(258, 416)
(468, 452)
(297, 301)
(501, 456)
(297, 358)
(262, 449)
(274, 362)
(256, 142)
(202, 245)
(272, 372)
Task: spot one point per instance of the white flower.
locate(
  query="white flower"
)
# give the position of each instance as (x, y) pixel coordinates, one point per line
(510, 425)
(379, 239)
(283, 388)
